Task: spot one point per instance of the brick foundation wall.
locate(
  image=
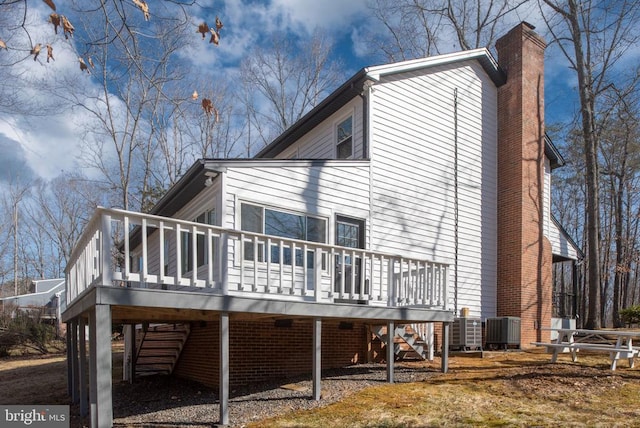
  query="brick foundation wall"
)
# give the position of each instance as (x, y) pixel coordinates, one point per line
(524, 254)
(260, 351)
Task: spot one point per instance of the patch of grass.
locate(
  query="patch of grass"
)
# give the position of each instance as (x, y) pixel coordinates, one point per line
(519, 391)
(34, 380)
(506, 389)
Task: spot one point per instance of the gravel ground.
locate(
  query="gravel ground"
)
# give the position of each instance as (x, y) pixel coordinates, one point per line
(171, 402)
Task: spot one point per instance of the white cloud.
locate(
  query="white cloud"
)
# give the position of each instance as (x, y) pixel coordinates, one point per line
(13, 164)
(361, 44)
(53, 143)
(329, 14)
(45, 138)
(48, 144)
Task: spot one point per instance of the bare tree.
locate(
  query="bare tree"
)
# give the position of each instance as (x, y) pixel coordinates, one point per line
(131, 79)
(134, 71)
(418, 28)
(18, 40)
(5, 241)
(620, 157)
(134, 53)
(59, 211)
(12, 202)
(290, 77)
(593, 36)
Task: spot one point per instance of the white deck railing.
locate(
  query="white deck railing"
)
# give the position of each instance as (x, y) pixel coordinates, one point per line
(163, 254)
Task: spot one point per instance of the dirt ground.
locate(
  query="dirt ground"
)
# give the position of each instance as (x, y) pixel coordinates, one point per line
(499, 376)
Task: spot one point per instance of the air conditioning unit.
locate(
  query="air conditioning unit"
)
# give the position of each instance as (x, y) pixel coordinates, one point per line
(466, 334)
(502, 332)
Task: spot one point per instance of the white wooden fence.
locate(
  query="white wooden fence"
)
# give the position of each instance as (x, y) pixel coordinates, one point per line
(129, 249)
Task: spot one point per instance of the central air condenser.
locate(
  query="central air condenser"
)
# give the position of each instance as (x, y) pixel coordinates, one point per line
(503, 332)
(466, 334)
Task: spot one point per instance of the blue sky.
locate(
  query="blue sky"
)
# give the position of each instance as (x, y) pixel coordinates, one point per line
(52, 146)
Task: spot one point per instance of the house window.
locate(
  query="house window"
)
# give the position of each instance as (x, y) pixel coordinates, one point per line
(166, 250)
(258, 219)
(135, 263)
(349, 233)
(345, 139)
(208, 217)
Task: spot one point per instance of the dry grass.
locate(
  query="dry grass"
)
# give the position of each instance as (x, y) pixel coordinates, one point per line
(34, 379)
(502, 389)
(507, 389)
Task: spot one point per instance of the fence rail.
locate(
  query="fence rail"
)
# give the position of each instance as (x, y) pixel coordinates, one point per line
(129, 249)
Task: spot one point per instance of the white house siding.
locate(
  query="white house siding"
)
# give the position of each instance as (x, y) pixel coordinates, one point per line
(559, 243)
(413, 192)
(204, 201)
(320, 143)
(546, 206)
(338, 187)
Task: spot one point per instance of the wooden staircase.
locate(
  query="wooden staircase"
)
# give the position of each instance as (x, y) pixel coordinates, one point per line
(407, 342)
(158, 347)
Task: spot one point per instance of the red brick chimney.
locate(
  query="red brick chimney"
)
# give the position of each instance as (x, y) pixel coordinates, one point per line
(524, 254)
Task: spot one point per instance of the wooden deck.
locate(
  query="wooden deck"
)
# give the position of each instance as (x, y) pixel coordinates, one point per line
(169, 255)
(169, 270)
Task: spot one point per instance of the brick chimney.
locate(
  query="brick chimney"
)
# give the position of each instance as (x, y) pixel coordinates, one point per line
(524, 253)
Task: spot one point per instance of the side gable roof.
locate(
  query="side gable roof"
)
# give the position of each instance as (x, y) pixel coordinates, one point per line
(552, 152)
(354, 87)
(482, 55)
(565, 248)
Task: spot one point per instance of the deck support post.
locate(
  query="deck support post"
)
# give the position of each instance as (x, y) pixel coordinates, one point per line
(445, 347)
(69, 369)
(129, 362)
(72, 355)
(391, 329)
(100, 366)
(317, 358)
(82, 342)
(430, 341)
(224, 369)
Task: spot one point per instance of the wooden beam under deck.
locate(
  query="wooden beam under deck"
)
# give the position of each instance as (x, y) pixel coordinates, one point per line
(141, 314)
(136, 305)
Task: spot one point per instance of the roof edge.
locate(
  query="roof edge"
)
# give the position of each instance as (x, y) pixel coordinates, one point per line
(194, 171)
(482, 55)
(325, 108)
(552, 152)
(568, 237)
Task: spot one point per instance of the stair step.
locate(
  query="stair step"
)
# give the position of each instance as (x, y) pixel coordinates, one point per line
(151, 372)
(153, 363)
(156, 358)
(152, 337)
(406, 341)
(159, 347)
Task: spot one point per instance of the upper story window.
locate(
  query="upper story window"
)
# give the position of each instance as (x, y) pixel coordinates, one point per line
(344, 148)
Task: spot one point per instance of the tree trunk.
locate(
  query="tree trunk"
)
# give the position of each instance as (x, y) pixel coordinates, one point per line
(583, 69)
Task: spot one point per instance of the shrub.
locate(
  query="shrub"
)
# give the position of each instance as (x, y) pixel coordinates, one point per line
(21, 328)
(630, 315)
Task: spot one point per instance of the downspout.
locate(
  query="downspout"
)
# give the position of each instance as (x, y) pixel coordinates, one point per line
(456, 201)
(364, 95)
